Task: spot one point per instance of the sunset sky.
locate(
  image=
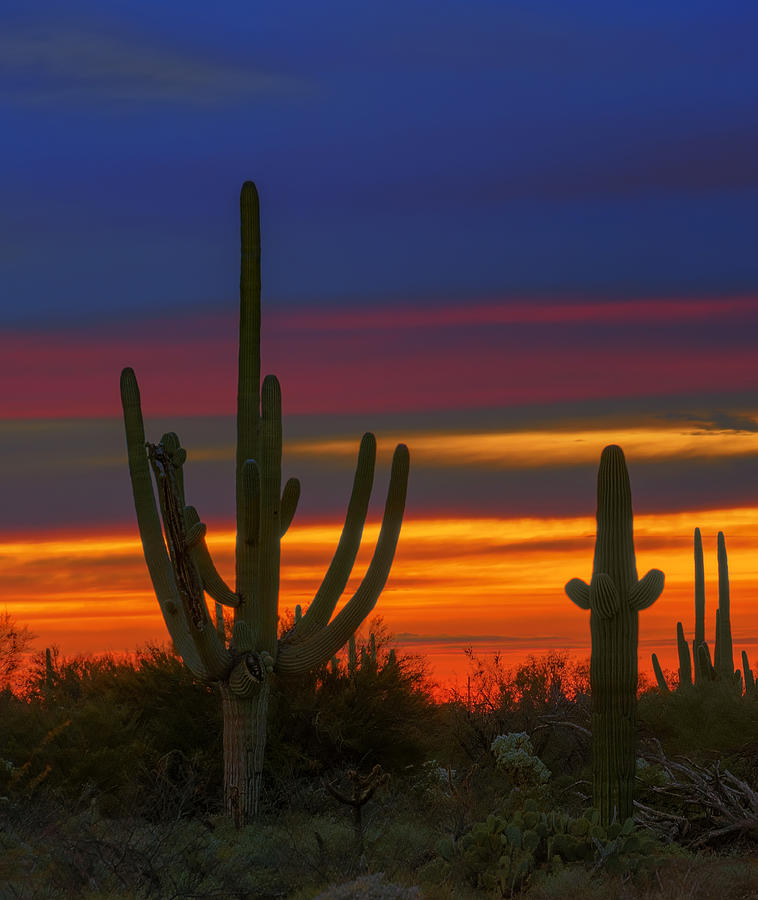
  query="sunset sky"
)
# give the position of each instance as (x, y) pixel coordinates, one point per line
(505, 234)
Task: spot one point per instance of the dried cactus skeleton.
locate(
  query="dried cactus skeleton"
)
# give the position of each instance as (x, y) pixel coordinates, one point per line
(614, 597)
(182, 570)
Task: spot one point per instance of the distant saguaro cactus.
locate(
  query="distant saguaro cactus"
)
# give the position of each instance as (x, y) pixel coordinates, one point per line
(181, 568)
(721, 668)
(614, 597)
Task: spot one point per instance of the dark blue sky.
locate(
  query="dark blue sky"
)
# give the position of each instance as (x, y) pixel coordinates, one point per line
(405, 152)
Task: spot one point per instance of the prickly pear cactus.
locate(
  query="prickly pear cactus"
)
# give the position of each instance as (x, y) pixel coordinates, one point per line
(501, 854)
(614, 598)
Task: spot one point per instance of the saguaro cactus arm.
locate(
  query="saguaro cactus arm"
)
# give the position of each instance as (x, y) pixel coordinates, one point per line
(213, 583)
(724, 660)
(196, 640)
(337, 575)
(647, 590)
(578, 592)
(685, 663)
(288, 506)
(298, 656)
(659, 676)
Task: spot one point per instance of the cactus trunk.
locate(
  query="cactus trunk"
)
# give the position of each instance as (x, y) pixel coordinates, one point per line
(245, 721)
(614, 597)
(244, 663)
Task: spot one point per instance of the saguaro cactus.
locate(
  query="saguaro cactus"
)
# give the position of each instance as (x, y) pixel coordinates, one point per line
(614, 597)
(182, 571)
(722, 667)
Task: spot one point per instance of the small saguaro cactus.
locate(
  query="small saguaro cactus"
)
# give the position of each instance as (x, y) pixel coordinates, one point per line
(181, 569)
(614, 597)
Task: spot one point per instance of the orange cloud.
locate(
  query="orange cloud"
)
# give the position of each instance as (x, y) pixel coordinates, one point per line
(551, 447)
(496, 581)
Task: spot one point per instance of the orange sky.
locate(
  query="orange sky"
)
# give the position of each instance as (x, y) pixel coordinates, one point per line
(494, 583)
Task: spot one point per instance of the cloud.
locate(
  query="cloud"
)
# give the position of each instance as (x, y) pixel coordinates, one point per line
(76, 65)
(408, 637)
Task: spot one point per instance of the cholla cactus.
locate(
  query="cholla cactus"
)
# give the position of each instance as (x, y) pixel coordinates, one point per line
(515, 755)
(182, 572)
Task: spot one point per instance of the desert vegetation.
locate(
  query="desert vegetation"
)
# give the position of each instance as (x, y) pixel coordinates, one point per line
(111, 782)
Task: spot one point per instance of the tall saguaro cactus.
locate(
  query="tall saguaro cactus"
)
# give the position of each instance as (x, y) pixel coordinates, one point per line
(614, 597)
(243, 664)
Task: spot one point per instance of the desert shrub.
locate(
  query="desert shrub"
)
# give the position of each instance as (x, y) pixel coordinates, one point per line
(709, 722)
(546, 697)
(119, 730)
(381, 713)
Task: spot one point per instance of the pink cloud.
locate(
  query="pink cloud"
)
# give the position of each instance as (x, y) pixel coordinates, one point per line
(444, 357)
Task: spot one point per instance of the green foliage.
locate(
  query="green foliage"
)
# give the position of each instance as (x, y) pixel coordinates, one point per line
(123, 731)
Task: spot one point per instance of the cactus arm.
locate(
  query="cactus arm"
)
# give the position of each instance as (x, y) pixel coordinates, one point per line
(706, 665)
(659, 675)
(699, 590)
(264, 617)
(314, 650)
(288, 505)
(604, 598)
(320, 610)
(151, 533)
(249, 378)
(213, 583)
(685, 663)
(726, 658)
(748, 674)
(699, 603)
(578, 592)
(717, 645)
(210, 648)
(647, 590)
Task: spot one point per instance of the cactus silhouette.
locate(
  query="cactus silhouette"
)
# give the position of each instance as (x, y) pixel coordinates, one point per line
(721, 668)
(182, 570)
(614, 597)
